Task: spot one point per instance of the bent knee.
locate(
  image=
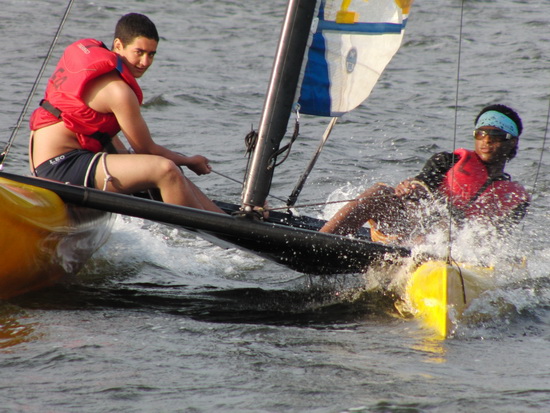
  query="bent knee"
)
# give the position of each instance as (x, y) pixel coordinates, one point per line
(168, 170)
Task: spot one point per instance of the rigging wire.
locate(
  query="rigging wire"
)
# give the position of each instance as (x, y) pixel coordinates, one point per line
(314, 204)
(457, 89)
(293, 197)
(15, 130)
(537, 174)
(242, 184)
(543, 147)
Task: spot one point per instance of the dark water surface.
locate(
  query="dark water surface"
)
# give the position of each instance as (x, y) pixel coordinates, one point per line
(160, 321)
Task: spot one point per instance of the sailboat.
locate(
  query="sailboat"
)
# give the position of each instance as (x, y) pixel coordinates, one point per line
(329, 57)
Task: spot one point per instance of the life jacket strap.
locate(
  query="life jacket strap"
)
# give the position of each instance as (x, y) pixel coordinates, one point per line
(102, 137)
(50, 108)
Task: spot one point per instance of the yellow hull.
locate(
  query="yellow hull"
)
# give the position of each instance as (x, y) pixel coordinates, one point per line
(42, 239)
(439, 293)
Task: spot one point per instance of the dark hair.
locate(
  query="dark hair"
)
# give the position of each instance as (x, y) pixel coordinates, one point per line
(512, 114)
(134, 25)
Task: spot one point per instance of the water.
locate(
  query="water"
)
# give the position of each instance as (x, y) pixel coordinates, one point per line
(162, 321)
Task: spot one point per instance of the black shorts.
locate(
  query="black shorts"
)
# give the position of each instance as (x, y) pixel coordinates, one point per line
(71, 167)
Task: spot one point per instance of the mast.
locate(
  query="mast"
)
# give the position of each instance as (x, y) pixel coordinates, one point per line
(279, 100)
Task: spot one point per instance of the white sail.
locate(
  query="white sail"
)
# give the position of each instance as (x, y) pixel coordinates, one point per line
(353, 41)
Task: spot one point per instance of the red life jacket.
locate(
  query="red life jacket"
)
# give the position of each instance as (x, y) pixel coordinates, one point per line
(471, 190)
(81, 62)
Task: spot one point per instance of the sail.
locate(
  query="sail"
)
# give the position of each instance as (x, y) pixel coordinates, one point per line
(353, 41)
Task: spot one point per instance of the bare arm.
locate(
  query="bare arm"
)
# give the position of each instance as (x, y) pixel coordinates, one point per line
(111, 94)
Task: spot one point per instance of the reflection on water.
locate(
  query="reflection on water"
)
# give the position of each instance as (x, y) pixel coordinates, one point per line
(433, 346)
(14, 328)
(318, 308)
(312, 307)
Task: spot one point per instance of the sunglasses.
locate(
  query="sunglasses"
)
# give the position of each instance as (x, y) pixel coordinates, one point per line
(494, 134)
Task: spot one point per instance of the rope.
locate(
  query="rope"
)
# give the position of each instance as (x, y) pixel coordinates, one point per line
(453, 263)
(288, 146)
(250, 141)
(15, 130)
(227, 177)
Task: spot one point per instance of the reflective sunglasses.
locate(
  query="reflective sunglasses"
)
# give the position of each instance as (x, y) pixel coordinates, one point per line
(494, 134)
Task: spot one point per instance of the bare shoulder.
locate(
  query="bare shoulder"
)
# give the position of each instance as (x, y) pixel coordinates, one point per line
(107, 92)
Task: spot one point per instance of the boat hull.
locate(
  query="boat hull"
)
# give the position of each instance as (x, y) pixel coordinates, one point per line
(43, 239)
(438, 293)
(288, 240)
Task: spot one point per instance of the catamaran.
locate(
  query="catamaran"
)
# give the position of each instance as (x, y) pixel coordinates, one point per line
(329, 57)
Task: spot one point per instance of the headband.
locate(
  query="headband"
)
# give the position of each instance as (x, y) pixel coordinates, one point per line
(498, 120)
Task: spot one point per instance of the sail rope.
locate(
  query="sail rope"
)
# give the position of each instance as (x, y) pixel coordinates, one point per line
(227, 177)
(15, 130)
(461, 276)
(286, 149)
(314, 204)
(250, 141)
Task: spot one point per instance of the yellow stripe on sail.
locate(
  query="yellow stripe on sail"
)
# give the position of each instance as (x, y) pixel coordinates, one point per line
(344, 16)
(405, 5)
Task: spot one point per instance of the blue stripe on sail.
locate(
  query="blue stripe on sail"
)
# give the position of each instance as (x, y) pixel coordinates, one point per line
(368, 28)
(315, 91)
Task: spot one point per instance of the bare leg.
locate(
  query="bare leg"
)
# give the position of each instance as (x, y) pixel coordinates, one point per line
(378, 203)
(134, 173)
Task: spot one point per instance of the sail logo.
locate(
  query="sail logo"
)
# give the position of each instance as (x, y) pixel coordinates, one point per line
(351, 60)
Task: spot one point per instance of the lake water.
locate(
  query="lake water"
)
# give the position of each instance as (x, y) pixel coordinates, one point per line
(160, 321)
